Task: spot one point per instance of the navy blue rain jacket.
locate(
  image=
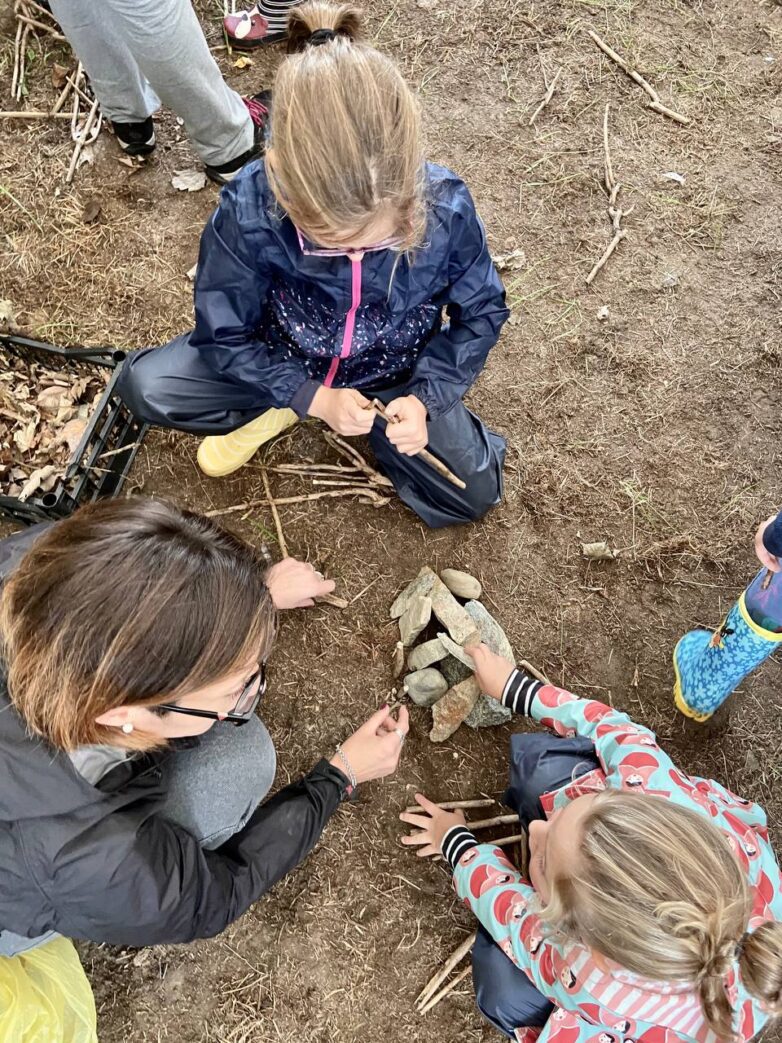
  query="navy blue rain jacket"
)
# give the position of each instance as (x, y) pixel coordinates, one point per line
(271, 316)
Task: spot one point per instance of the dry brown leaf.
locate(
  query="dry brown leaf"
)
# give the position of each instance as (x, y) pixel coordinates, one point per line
(7, 315)
(24, 437)
(52, 399)
(71, 434)
(43, 478)
(188, 180)
(59, 75)
(243, 62)
(91, 211)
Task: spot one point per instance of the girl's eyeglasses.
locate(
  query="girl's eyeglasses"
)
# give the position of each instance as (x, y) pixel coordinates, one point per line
(245, 707)
(311, 250)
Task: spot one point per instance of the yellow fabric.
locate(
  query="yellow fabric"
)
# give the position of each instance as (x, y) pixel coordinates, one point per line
(219, 455)
(45, 997)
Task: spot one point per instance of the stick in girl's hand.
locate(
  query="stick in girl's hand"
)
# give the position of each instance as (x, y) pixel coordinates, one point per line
(424, 454)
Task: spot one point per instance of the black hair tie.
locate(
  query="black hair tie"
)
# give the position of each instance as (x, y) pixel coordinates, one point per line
(321, 36)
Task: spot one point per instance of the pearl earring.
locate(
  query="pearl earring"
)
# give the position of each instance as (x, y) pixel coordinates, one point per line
(127, 728)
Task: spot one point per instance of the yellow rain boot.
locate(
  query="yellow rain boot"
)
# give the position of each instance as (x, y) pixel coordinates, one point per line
(219, 455)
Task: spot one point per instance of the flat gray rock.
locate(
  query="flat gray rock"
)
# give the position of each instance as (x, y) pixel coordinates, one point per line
(420, 587)
(425, 686)
(454, 618)
(455, 650)
(487, 712)
(414, 619)
(461, 584)
(426, 654)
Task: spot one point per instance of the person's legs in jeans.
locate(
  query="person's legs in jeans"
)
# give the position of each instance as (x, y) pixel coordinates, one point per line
(461, 440)
(215, 787)
(540, 763)
(139, 51)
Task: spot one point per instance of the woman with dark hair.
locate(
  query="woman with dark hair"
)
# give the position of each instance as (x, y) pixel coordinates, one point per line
(134, 637)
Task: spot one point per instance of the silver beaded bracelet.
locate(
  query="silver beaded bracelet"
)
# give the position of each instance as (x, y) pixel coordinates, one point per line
(348, 770)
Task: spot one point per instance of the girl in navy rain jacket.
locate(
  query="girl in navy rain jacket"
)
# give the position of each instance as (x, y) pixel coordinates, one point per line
(323, 279)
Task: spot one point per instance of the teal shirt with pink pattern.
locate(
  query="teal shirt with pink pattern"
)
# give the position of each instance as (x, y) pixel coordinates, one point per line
(592, 1005)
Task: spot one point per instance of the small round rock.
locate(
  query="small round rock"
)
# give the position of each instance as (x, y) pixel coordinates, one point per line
(461, 584)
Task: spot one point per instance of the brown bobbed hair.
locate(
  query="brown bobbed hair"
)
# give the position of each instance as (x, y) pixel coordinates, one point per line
(345, 133)
(127, 602)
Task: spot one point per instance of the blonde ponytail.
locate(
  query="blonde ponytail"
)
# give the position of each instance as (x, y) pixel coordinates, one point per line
(658, 890)
(345, 145)
(761, 964)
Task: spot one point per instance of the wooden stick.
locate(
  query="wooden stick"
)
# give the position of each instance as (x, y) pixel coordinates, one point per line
(350, 453)
(275, 514)
(17, 58)
(42, 10)
(33, 114)
(655, 104)
(615, 212)
(39, 25)
(452, 805)
(437, 979)
(532, 671)
(546, 99)
(82, 141)
(422, 454)
(507, 840)
(446, 990)
(333, 599)
(498, 820)
(360, 491)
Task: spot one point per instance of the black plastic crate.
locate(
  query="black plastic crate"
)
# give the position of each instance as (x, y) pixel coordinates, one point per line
(90, 474)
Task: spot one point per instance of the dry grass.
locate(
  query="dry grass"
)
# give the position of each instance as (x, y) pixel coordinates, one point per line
(655, 430)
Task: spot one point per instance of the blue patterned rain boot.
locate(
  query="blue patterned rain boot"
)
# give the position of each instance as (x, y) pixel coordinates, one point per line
(709, 666)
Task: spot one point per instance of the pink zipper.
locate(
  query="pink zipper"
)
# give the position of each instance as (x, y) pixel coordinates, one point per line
(350, 319)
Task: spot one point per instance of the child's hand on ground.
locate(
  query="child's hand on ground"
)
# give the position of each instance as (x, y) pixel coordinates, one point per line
(374, 750)
(294, 584)
(491, 670)
(764, 557)
(344, 410)
(433, 826)
(409, 436)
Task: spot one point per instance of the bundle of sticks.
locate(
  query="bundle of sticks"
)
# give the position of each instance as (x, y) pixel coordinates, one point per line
(437, 988)
(85, 115)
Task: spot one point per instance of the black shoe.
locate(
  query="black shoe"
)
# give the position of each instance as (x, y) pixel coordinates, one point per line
(259, 107)
(137, 139)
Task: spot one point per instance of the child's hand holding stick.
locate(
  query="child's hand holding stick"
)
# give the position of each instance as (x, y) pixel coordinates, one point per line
(424, 454)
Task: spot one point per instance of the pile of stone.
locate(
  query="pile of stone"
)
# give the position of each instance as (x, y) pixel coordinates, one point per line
(438, 616)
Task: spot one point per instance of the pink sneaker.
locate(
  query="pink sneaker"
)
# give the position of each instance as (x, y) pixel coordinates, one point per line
(249, 29)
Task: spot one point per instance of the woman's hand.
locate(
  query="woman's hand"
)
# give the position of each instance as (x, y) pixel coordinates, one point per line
(295, 584)
(491, 670)
(374, 750)
(409, 435)
(432, 826)
(344, 410)
(764, 557)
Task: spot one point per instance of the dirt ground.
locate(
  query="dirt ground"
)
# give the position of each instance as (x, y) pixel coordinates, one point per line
(655, 429)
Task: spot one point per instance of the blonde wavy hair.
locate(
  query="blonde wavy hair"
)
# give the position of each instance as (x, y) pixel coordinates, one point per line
(345, 133)
(657, 889)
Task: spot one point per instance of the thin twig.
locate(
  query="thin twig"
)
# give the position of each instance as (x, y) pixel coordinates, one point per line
(498, 820)
(437, 979)
(348, 451)
(17, 58)
(528, 668)
(446, 989)
(615, 211)
(32, 23)
(333, 599)
(503, 841)
(452, 805)
(41, 10)
(122, 449)
(546, 99)
(655, 104)
(33, 114)
(275, 514)
(360, 491)
(82, 141)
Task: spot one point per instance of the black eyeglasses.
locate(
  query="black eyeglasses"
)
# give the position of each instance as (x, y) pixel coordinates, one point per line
(245, 707)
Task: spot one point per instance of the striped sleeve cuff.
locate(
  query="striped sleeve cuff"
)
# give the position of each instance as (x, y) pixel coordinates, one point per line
(519, 691)
(456, 842)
